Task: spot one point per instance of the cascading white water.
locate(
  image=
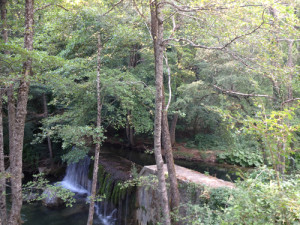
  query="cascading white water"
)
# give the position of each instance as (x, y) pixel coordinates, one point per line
(76, 180)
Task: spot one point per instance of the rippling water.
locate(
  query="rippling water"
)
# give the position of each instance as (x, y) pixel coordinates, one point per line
(76, 180)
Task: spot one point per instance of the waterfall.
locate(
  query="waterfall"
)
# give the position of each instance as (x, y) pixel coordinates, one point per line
(76, 180)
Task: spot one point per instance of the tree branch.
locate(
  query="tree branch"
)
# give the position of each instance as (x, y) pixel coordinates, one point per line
(186, 8)
(48, 5)
(166, 41)
(290, 100)
(240, 94)
(116, 4)
(212, 48)
(169, 82)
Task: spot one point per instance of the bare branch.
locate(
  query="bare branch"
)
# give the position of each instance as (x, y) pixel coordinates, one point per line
(238, 58)
(138, 11)
(48, 5)
(288, 40)
(290, 100)
(169, 82)
(212, 48)
(116, 4)
(229, 92)
(186, 8)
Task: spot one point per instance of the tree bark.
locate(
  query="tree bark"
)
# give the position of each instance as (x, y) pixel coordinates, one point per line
(20, 116)
(97, 149)
(166, 141)
(48, 137)
(129, 130)
(290, 64)
(157, 34)
(173, 129)
(3, 212)
(3, 19)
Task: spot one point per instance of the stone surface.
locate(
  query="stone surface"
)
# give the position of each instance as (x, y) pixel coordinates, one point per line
(193, 176)
(51, 200)
(148, 198)
(118, 167)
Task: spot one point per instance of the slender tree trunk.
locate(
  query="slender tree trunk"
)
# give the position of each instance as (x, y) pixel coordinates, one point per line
(3, 212)
(157, 34)
(131, 136)
(16, 161)
(11, 118)
(3, 19)
(290, 64)
(129, 130)
(175, 196)
(173, 129)
(20, 116)
(97, 150)
(48, 137)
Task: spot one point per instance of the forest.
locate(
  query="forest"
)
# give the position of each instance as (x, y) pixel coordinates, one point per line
(133, 112)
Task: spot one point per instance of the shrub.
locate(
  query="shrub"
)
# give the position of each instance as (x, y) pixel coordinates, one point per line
(207, 141)
(245, 152)
(259, 199)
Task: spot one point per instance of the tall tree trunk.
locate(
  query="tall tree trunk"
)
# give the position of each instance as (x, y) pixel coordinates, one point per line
(48, 137)
(11, 118)
(129, 130)
(97, 150)
(3, 19)
(157, 34)
(3, 212)
(166, 141)
(16, 160)
(20, 116)
(173, 129)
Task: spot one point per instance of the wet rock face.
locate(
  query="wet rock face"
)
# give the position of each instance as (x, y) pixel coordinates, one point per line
(51, 200)
(119, 202)
(118, 167)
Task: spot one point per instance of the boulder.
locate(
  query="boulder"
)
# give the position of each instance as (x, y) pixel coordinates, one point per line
(51, 199)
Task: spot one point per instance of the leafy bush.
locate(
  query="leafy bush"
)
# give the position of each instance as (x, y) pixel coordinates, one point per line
(259, 199)
(262, 201)
(197, 215)
(245, 152)
(207, 141)
(218, 198)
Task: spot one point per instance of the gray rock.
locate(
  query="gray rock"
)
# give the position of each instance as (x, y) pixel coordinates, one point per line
(51, 199)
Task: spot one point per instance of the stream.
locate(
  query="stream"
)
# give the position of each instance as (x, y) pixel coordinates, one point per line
(76, 180)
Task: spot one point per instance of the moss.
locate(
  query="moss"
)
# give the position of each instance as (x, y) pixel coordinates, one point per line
(103, 185)
(108, 189)
(101, 174)
(113, 190)
(113, 196)
(90, 173)
(116, 197)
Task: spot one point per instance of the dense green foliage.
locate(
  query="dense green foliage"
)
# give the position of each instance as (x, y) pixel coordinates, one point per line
(234, 70)
(256, 200)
